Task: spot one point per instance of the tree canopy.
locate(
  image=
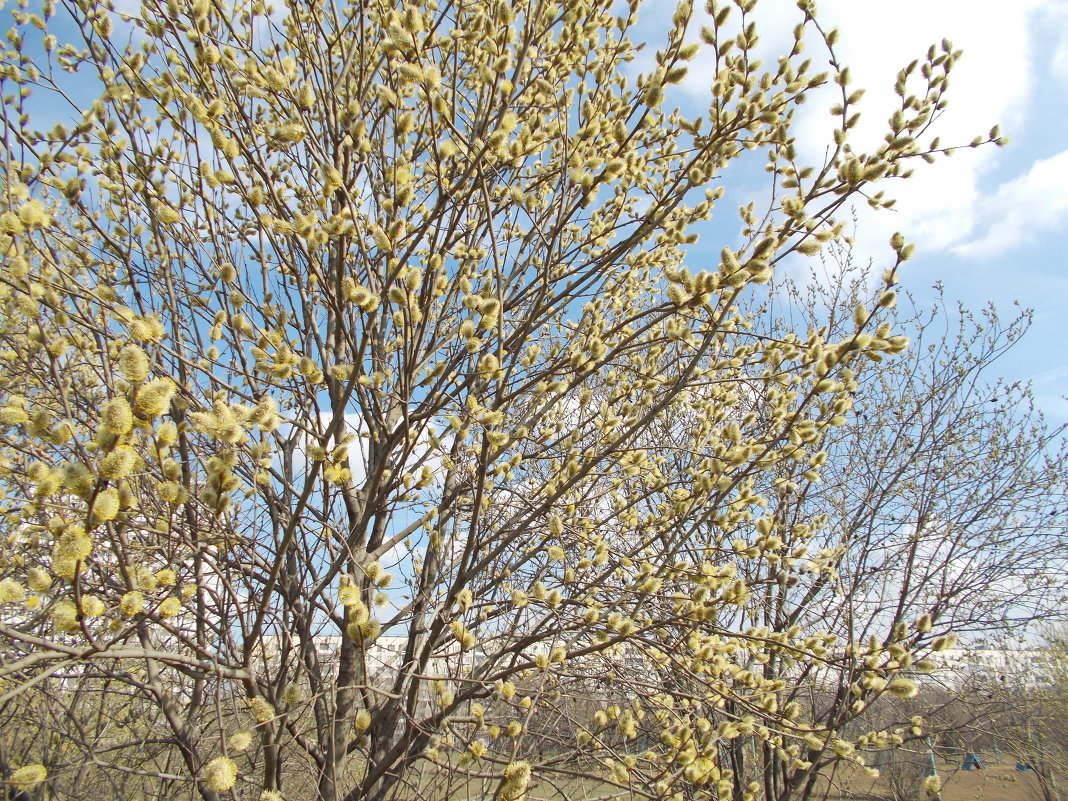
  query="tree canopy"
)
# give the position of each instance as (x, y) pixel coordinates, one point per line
(333, 326)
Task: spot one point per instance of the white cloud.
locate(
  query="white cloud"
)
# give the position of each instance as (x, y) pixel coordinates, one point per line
(943, 204)
(938, 206)
(1056, 19)
(1020, 209)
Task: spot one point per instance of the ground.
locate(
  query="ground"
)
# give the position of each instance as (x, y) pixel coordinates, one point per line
(997, 782)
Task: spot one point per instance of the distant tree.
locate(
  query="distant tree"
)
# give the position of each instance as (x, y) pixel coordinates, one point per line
(941, 511)
(937, 512)
(314, 298)
(1029, 720)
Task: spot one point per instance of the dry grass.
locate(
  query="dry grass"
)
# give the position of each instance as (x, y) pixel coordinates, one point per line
(997, 782)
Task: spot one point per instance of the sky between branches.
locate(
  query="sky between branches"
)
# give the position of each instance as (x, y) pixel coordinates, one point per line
(988, 223)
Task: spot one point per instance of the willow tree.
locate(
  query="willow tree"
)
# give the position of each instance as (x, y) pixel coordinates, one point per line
(942, 513)
(300, 301)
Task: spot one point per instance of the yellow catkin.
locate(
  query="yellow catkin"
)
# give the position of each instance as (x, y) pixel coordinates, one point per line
(29, 776)
(220, 774)
(154, 398)
(133, 363)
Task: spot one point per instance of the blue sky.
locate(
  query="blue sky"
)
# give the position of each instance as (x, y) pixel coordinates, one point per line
(990, 223)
